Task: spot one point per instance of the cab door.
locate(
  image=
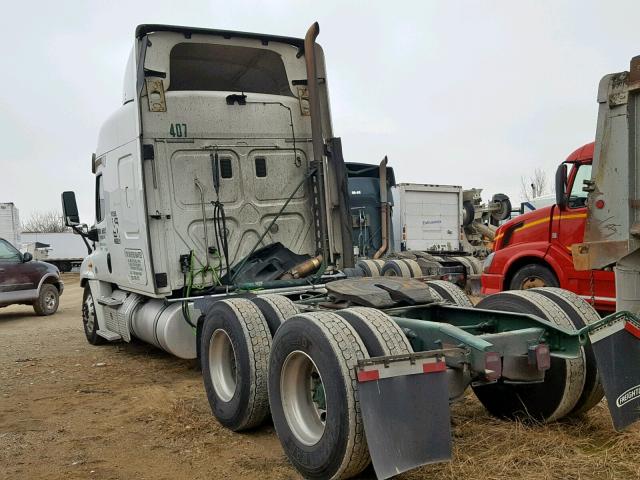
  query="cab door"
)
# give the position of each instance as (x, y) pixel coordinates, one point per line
(569, 224)
(574, 216)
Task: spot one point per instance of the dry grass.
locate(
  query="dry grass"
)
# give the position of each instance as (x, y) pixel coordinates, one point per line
(486, 448)
(580, 449)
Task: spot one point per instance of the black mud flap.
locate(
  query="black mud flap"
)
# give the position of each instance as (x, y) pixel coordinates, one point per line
(405, 407)
(616, 345)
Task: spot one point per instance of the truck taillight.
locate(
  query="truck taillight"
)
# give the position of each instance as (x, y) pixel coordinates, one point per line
(492, 366)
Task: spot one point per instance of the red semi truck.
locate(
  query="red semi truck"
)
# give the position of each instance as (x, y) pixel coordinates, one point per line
(534, 249)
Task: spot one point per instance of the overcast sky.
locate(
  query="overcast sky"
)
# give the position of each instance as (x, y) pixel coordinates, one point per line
(466, 93)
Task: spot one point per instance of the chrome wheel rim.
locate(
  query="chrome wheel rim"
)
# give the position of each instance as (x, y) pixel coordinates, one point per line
(304, 408)
(49, 301)
(222, 365)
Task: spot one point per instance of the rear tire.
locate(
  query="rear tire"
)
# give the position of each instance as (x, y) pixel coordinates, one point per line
(89, 319)
(558, 394)
(533, 276)
(47, 301)
(580, 313)
(396, 268)
(234, 358)
(413, 265)
(450, 293)
(475, 264)
(64, 266)
(379, 333)
(313, 393)
(371, 268)
(276, 309)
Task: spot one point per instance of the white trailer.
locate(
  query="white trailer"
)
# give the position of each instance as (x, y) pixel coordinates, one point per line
(10, 224)
(427, 217)
(65, 250)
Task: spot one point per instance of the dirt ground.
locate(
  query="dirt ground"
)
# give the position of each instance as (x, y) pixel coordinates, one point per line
(120, 411)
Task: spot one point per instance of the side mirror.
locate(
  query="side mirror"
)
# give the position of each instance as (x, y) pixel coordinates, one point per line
(561, 186)
(70, 209)
(27, 257)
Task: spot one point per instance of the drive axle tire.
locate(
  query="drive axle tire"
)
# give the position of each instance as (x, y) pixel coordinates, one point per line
(313, 395)
(468, 268)
(476, 264)
(413, 265)
(64, 266)
(379, 333)
(532, 276)
(396, 268)
(234, 358)
(47, 301)
(276, 309)
(580, 313)
(450, 293)
(371, 268)
(89, 319)
(558, 394)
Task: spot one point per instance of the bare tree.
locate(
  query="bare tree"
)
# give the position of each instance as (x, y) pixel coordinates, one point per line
(45, 222)
(534, 186)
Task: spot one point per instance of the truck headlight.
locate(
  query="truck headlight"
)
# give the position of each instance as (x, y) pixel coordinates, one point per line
(486, 265)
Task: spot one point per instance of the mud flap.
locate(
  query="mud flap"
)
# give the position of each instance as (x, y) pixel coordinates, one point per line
(404, 402)
(616, 345)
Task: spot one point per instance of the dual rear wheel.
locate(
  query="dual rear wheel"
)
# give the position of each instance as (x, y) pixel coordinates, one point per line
(299, 368)
(571, 386)
(311, 390)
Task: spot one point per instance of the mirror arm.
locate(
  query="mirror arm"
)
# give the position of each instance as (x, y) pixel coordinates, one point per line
(84, 237)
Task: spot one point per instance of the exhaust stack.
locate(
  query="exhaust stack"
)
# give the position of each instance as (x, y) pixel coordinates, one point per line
(384, 210)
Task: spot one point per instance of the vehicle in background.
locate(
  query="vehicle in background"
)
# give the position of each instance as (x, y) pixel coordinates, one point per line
(27, 281)
(65, 250)
(10, 224)
(534, 249)
(536, 203)
(364, 186)
(434, 231)
(428, 217)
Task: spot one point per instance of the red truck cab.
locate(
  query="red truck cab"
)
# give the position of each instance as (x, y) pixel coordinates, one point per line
(534, 249)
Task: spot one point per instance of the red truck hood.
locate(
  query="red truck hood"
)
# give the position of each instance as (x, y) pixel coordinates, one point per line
(541, 214)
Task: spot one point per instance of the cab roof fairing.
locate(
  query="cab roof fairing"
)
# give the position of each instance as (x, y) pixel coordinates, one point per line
(135, 65)
(582, 154)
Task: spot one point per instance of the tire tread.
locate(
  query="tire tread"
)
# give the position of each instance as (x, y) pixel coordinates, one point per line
(450, 292)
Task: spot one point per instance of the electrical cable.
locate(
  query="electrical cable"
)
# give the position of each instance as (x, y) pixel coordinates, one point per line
(264, 234)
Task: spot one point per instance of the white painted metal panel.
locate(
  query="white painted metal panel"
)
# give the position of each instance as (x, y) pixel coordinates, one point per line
(10, 224)
(430, 216)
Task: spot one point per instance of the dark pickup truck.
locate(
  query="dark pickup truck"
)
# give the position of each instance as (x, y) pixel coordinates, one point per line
(27, 281)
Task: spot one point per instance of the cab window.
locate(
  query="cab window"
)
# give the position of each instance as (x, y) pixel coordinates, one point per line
(99, 199)
(208, 67)
(577, 197)
(8, 253)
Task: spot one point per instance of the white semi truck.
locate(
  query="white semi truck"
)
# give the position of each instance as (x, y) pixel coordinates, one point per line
(223, 232)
